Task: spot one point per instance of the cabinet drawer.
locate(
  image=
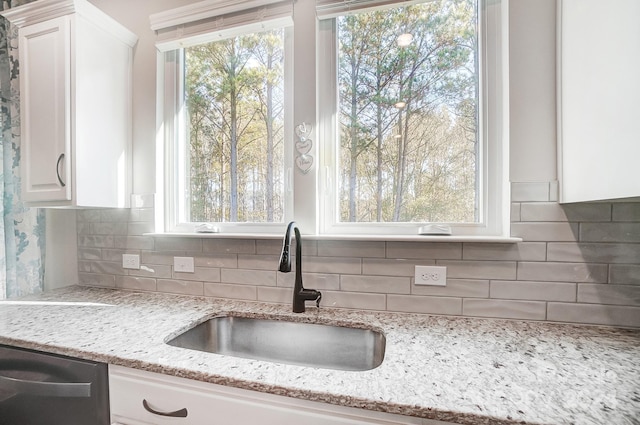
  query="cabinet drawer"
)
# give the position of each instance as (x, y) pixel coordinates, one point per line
(219, 405)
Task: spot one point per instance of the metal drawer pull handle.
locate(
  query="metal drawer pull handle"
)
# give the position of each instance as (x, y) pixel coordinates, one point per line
(46, 389)
(60, 158)
(182, 413)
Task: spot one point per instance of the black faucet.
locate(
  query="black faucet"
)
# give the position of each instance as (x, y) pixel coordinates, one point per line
(300, 295)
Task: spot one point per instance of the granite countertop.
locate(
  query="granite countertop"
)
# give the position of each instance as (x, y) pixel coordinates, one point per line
(462, 370)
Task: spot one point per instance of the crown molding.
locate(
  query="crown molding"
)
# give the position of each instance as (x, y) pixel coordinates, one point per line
(45, 10)
(203, 10)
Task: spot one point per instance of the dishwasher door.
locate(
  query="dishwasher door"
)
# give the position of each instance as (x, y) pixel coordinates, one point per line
(45, 389)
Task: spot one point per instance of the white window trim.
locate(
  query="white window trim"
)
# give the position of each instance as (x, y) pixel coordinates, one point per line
(217, 19)
(175, 162)
(315, 183)
(202, 10)
(176, 31)
(494, 131)
(332, 8)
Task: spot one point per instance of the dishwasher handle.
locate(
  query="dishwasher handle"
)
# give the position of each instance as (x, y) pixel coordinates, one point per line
(46, 389)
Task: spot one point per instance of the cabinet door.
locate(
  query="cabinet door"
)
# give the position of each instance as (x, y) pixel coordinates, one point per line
(598, 92)
(45, 102)
(196, 403)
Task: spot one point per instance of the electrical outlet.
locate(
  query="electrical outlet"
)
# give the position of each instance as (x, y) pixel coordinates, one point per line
(431, 275)
(183, 264)
(131, 261)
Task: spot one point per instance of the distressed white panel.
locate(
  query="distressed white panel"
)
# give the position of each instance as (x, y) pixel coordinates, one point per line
(598, 91)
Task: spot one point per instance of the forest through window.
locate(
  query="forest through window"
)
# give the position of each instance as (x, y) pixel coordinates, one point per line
(235, 96)
(407, 113)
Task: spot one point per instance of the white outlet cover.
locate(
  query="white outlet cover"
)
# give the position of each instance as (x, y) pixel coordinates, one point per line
(431, 275)
(131, 261)
(183, 264)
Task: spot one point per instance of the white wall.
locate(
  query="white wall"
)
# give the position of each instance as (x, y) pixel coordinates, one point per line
(532, 38)
(61, 261)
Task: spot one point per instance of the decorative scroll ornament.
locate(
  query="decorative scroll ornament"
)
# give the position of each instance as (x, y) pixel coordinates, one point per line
(304, 145)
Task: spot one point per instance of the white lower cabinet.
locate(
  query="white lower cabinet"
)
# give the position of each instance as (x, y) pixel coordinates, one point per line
(133, 393)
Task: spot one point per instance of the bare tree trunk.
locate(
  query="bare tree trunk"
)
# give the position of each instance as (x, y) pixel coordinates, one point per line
(255, 187)
(221, 191)
(379, 164)
(399, 184)
(233, 124)
(354, 143)
(233, 163)
(269, 124)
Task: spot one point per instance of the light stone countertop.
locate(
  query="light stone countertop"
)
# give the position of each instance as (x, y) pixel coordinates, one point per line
(463, 370)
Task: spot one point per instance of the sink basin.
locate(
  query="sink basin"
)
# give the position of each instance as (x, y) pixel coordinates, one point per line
(305, 344)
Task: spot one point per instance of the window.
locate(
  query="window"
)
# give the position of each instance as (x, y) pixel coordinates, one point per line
(411, 111)
(418, 133)
(234, 103)
(224, 115)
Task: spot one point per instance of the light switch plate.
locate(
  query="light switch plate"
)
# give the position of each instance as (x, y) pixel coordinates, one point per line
(431, 275)
(131, 261)
(183, 264)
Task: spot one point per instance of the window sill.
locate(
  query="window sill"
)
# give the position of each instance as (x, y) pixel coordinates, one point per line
(383, 238)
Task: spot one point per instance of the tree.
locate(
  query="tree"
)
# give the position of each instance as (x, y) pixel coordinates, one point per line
(271, 58)
(435, 71)
(234, 93)
(408, 122)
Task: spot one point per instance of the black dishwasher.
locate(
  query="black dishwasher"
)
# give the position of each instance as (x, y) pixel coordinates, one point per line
(45, 389)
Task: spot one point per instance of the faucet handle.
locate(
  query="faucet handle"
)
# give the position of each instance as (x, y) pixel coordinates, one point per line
(318, 299)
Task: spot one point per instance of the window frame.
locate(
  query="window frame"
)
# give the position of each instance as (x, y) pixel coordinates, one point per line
(309, 200)
(174, 135)
(493, 132)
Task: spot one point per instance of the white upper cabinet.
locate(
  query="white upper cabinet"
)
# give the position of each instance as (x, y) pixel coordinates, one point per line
(75, 104)
(598, 99)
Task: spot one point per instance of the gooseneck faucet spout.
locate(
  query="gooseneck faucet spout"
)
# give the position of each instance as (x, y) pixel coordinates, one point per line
(300, 294)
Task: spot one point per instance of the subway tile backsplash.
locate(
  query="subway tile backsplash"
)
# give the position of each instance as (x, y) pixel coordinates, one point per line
(577, 263)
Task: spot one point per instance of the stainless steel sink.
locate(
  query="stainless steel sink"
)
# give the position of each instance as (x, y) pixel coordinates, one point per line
(305, 344)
